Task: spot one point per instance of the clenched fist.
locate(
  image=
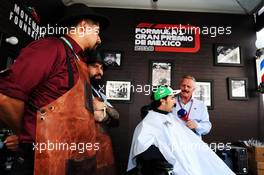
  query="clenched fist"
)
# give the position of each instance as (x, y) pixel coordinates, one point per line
(191, 124)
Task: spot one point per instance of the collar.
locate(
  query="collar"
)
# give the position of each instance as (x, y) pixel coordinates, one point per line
(76, 47)
(179, 97)
(160, 111)
(166, 119)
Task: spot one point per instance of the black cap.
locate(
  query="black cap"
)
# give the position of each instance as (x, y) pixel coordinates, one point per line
(81, 11)
(94, 56)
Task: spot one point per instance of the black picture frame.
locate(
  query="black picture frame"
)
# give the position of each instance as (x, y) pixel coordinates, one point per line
(204, 91)
(237, 88)
(118, 90)
(112, 59)
(227, 55)
(161, 73)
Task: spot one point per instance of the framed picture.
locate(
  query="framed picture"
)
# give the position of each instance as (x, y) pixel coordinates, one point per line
(160, 73)
(204, 92)
(237, 88)
(227, 55)
(112, 59)
(118, 90)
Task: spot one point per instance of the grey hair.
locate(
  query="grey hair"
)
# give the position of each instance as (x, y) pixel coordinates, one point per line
(188, 77)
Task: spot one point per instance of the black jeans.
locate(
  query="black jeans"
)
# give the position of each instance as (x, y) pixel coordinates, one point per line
(24, 161)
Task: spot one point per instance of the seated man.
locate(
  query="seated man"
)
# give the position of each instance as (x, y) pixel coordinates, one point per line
(181, 148)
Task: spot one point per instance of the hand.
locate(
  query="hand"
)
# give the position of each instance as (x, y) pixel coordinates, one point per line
(112, 112)
(191, 124)
(11, 112)
(11, 142)
(99, 110)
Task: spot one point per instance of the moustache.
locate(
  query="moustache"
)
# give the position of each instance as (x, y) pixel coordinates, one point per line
(185, 91)
(96, 80)
(97, 75)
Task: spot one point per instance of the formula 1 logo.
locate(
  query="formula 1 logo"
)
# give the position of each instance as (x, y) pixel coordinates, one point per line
(167, 38)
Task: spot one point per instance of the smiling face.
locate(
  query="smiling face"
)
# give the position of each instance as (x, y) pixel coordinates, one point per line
(187, 87)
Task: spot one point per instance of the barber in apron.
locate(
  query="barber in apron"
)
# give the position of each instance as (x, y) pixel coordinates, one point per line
(61, 125)
(70, 135)
(69, 132)
(105, 114)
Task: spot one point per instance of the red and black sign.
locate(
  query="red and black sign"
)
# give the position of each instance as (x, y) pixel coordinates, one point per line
(167, 38)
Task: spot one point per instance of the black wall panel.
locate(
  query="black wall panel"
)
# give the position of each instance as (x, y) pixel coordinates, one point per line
(232, 120)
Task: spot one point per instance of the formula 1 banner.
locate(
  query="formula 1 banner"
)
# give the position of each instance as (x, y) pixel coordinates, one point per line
(167, 38)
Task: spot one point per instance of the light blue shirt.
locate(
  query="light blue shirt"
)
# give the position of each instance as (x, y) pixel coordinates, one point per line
(198, 113)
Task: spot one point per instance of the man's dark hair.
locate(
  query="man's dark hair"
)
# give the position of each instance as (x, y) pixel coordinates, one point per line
(156, 103)
(93, 57)
(144, 110)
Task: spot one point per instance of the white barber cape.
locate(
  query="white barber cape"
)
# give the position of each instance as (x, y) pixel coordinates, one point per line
(180, 146)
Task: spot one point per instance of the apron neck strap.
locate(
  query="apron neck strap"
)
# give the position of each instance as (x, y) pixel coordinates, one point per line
(67, 42)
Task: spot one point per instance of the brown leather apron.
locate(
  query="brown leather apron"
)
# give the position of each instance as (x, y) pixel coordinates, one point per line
(70, 127)
(104, 156)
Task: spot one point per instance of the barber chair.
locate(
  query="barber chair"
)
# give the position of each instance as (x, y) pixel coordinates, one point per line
(151, 162)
